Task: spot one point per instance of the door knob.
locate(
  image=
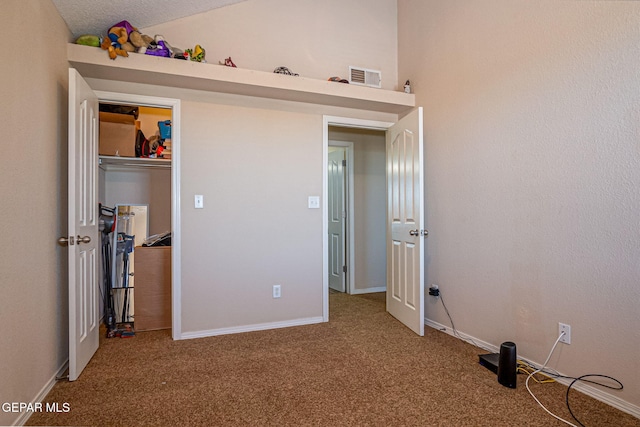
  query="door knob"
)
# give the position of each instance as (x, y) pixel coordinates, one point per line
(415, 232)
(85, 239)
(64, 241)
(425, 233)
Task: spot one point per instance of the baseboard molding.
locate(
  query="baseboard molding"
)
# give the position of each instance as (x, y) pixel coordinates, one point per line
(251, 328)
(590, 391)
(24, 416)
(368, 290)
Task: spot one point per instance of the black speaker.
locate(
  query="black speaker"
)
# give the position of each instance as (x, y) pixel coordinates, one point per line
(507, 368)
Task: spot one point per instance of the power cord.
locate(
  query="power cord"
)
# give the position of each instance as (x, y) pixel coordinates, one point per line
(540, 370)
(455, 331)
(619, 385)
(581, 378)
(525, 368)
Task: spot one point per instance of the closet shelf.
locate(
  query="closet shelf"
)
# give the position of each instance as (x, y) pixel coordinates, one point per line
(93, 62)
(109, 162)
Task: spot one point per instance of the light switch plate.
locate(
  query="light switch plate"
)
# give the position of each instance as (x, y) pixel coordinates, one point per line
(314, 202)
(199, 201)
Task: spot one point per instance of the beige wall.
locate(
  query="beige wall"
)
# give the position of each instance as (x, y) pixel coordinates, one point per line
(369, 205)
(255, 162)
(317, 39)
(255, 169)
(33, 305)
(532, 170)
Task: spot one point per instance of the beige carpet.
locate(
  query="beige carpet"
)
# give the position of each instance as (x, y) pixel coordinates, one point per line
(363, 368)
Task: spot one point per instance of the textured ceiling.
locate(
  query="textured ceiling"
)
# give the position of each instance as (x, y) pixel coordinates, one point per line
(96, 16)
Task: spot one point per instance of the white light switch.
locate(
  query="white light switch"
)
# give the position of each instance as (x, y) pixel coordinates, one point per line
(314, 202)
(199, 201)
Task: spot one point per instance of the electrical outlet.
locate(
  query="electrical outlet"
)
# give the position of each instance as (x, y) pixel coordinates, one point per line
(434, 291)
(563, 327)
(276, 291)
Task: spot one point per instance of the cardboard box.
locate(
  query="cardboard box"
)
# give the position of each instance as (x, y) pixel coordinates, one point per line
(117, 135)
(152, 288)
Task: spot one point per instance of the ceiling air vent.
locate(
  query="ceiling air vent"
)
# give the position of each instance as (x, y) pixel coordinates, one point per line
(365, 77)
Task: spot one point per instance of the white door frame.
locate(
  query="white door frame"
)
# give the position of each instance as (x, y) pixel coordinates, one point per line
(346, 122)
(174, 104)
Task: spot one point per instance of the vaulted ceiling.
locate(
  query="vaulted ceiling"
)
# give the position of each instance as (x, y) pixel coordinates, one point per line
(97, 16)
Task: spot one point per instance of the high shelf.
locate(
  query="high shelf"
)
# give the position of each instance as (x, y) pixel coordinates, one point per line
(94, 62)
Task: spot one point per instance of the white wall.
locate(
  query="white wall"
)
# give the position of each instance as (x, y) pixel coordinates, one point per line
(317, 39)
(370, 205)
(532, 118)
(33, 305)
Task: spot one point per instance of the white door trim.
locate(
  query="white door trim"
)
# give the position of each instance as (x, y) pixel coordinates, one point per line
(347, 122)
(174, 104)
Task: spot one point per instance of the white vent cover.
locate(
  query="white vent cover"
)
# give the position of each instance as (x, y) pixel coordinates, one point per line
(365, 77)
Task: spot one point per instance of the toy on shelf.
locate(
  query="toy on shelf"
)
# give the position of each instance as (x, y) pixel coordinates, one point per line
(124, 38)
(89, 40)
(196, 54)
(286, 71)
(157, 47)
(228, 62)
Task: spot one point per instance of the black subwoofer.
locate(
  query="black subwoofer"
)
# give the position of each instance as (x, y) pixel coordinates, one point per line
(507, 365)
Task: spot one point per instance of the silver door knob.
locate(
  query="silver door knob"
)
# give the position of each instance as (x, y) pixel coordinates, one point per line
(64, 241)
(425, 233)
(85, 239)
(415, 232)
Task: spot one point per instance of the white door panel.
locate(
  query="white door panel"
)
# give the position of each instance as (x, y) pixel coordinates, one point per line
(83, 224)
(337, 220)
(405, 242)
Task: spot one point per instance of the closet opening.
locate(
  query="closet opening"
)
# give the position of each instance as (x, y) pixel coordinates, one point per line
(135, 194)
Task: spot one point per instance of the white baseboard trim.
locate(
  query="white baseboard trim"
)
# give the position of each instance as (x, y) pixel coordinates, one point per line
(24, 416)
(251, 328)
(590, 391)
(368, 290)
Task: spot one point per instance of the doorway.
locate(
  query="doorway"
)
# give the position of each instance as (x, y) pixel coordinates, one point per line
(363, 144)
(152, 182)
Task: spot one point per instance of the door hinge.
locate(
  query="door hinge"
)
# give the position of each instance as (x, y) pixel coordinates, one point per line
(344, 163)
(344, 268)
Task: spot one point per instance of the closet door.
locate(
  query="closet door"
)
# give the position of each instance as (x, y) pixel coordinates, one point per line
(82, 241)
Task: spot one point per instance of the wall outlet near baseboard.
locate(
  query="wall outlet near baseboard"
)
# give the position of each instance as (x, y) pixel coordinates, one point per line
(563, 327)
(276, 291)
(434, 291)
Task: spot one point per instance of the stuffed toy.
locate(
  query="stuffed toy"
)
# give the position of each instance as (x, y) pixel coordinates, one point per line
(139, 40)
(89, 40)
(114, 41)
(195, 54)
(117, 41)
(228, 62)
(157, 47)
(124, 38)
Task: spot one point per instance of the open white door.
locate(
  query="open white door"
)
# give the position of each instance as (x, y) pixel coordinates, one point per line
(337, 218)
(405, 219)
(84, 317)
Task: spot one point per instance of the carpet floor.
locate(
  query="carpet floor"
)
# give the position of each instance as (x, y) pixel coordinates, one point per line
(362, 368)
